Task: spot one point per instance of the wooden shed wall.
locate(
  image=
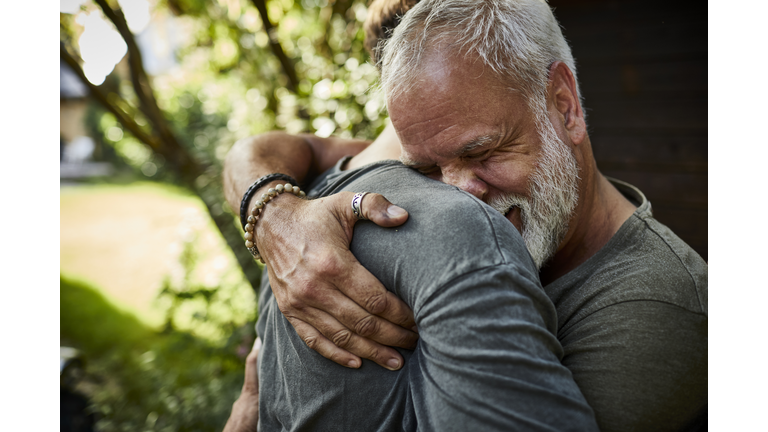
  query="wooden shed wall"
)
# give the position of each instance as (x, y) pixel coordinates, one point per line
(642, 67)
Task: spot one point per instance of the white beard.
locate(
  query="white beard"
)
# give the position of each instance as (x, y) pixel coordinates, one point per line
(553, 190)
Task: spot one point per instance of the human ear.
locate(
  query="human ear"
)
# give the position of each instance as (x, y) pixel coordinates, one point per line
(565, 98)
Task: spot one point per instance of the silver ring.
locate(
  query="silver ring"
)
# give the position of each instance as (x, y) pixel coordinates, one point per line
(356, 201)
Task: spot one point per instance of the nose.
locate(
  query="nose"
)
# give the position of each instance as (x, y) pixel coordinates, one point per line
(465, 180)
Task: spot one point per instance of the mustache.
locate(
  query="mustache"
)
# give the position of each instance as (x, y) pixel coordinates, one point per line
(504, 203)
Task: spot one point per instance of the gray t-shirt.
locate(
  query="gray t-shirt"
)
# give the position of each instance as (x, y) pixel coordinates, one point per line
(633, 325)
(487, 357)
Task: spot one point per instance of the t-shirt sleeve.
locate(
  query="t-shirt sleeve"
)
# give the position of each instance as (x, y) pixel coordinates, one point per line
(649, 348)
(486, 361)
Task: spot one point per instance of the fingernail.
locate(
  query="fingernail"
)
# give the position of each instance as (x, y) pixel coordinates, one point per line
(393, 364)
(352, 364)
(395, 211)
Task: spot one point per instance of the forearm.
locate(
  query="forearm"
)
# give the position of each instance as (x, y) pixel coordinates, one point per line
(299, 156)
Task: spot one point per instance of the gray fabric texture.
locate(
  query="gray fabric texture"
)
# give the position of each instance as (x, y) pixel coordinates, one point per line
(487, 358)
(633, 324)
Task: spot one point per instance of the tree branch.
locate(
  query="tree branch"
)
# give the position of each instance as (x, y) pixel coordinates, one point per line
(175, 153)
(277, 49)
(183, 165)
(123, 117)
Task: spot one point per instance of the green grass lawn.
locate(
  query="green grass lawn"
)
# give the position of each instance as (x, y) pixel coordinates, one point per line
(128, 240)
(140, 379)
(148, 369)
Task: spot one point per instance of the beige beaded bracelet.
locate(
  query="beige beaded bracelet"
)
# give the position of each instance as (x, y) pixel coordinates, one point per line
(272, 193)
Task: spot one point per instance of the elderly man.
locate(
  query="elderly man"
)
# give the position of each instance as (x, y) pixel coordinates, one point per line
(505, 374)
(483, 95)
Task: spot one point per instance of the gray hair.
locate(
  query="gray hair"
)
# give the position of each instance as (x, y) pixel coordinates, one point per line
(517, 39)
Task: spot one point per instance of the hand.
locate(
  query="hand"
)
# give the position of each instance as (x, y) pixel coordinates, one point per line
(245, 410)
(336, 306)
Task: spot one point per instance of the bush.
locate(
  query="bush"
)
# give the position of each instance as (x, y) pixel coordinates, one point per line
(139, 379)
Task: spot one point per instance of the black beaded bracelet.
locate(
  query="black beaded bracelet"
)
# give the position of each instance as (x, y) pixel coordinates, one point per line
(256, 186)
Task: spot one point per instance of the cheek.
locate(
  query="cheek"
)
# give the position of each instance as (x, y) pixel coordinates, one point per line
(507, 178)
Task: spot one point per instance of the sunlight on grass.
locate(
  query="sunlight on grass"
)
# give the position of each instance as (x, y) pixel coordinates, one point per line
(127, 240)
(91, 322)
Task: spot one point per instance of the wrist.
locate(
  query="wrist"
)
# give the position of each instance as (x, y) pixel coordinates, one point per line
(261, 191)
(256, 186)
(257, 211)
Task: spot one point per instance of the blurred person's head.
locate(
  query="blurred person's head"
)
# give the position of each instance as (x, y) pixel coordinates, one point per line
(383, 17)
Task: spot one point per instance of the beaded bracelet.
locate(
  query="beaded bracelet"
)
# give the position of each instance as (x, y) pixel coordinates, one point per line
(250, 226)
(256, 186)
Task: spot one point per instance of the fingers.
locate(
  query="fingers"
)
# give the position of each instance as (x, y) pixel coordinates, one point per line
(374, 207)
(256, 346)
(362, 323)
(344, 346)
(349, 294)
(380, 316)
(380, 211)
(316, 341)
(251, 383)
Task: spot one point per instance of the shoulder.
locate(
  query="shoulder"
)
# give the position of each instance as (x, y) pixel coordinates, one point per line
(678, 261)
(649, 261)
(446, 226)
(449, 234)
(652, 263)
(644, 261)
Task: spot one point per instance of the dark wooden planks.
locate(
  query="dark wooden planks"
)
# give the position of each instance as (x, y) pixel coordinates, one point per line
(642, 68)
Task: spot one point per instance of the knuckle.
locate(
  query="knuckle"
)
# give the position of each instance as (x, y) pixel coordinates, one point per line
(374, 354)
(367, 326)
(374, 202)
(338, 357)
(311, 342)
(306, 291)
(329, 267)
(342, 338)
(379, 198)
(377, 303)
(291, 305)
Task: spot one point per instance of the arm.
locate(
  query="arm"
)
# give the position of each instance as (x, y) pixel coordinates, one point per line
(489, 362)
(245, 410)
(329, 298)
(300, 156)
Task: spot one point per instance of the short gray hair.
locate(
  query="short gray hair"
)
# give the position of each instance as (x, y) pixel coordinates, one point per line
(517, 39)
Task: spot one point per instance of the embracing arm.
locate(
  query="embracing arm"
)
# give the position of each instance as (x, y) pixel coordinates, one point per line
(299, 156)
(489, 362)
(336, 306)
(245, 411)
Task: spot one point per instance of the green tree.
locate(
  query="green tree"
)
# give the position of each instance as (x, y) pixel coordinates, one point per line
(243, 68)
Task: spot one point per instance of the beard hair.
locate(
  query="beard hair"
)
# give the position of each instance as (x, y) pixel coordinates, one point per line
(553, 189)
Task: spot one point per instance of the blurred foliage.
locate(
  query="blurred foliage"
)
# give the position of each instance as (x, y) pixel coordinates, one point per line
(226, 84)
(211, 311)
(184, 377)
(139, 379)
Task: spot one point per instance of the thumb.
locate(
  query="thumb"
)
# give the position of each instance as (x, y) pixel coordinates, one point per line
(380, 211)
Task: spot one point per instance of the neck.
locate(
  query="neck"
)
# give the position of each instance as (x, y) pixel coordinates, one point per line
(601, 211)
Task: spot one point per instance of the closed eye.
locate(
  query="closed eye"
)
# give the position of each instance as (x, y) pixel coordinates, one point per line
(479, 156)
